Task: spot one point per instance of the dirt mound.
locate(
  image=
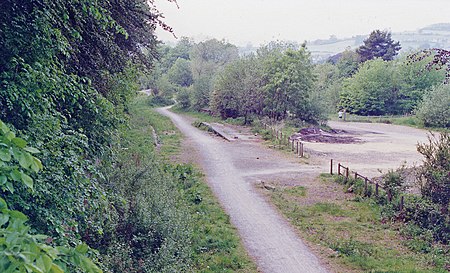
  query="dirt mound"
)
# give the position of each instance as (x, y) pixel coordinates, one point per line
(315, 134)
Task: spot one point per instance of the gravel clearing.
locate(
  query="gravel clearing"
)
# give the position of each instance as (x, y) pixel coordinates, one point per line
(235, 170)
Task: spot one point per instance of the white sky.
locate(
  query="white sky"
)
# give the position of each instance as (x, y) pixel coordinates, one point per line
(261, 21)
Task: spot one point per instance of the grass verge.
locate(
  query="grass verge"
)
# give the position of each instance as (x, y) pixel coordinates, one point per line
(350, 235)
(215, 244)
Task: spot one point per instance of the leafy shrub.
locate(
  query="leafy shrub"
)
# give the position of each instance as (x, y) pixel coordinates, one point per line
(434, 111)
(427, 215)
(21, 251)
(160, 101)
(183, 98)
(393, 183)
(434, 174)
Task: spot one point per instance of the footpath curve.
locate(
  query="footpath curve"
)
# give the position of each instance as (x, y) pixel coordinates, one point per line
(267, 236)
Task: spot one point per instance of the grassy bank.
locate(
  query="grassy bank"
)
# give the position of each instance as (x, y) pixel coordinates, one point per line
(352, 236)
(213, 242)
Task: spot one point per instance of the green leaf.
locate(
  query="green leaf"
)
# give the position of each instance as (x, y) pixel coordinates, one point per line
(4, 218)
(28, 181)
(82, 248)
(18, 215)
(44, 262)
(5, 155)
(36, 166)
(3, 180)
(3, 204)
(25, 160)
(15, 175)
(10, 187)
(10, 135)
(3, 127)
(56, 269)
(32, 150)
(19, 142)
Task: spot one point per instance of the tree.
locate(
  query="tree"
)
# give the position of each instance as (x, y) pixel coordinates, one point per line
(372, 90)
(414, 82)
(289, 80)
(434, 175)
(327, 86)
(378, 45)
(206, 59)
(180, 73)
(238, 89)
(441, 60)
(348, 63)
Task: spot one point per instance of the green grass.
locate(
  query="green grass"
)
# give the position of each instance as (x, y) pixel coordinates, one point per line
(216, 246)
(350, 234)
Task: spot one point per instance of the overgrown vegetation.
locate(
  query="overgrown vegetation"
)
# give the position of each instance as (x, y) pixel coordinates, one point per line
(205, 235)
(102, 197)
(280, 81)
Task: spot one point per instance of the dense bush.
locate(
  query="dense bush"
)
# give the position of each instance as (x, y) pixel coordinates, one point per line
(428, 216)
(20, 250)
(434, 111)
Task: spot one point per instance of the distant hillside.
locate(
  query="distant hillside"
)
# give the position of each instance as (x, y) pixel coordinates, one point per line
(437, 35)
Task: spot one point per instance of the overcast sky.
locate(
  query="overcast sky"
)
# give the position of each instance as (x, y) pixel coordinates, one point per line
(261, 21)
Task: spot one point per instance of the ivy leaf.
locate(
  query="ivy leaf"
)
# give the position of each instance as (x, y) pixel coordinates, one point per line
(19, 142)
(27, 180)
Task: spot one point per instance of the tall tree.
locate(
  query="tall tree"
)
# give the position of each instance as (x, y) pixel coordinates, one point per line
(378, 45)
(289, 81)
(206, 59)
(238, 89)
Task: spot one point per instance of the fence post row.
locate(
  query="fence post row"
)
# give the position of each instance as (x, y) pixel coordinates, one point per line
(366, 183)
(331, 166)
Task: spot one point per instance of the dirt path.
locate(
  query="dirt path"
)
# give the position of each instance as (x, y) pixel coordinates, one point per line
(232, 169)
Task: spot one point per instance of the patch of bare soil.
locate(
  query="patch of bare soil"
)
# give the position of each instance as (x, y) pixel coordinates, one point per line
(315, 134)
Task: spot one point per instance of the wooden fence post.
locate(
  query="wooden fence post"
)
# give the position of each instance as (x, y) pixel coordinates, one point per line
(331, 166)
(365, 185)
(376, 189)
(339, 168)
(292, 146)
(346, 174)
(356, 175)
(402, 203)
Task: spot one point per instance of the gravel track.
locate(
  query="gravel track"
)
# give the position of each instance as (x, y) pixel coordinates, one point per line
(232, 169)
